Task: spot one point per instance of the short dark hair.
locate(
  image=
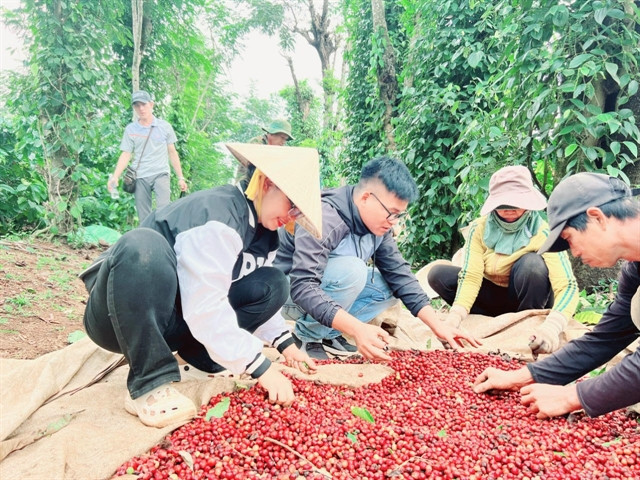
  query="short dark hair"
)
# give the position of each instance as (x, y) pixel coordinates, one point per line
(622, 208)
(394, 175)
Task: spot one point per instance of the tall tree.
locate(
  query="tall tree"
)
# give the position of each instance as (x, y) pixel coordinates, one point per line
(137, 18)
(63, 98)
(69, 109)
(375, 43)
(318, 31)
(385, 68)
(315, 21)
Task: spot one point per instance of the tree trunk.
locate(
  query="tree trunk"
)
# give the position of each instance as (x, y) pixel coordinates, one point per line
(303, 105)
(55, 171)
(320, 36)
(387, 79)
(137, 17)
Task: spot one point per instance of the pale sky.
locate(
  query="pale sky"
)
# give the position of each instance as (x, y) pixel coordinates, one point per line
(260, 62)
(9, 40)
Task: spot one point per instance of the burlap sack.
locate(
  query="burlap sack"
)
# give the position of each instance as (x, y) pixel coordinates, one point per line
(87, 434)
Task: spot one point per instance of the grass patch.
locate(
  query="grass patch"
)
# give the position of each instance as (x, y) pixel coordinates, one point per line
(9, 332)
(45, 262)
(20, 300)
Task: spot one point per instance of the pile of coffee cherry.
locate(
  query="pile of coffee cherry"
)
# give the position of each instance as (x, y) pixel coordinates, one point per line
(421, 422)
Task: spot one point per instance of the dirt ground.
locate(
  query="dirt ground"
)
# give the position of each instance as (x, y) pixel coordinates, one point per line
(41, 298)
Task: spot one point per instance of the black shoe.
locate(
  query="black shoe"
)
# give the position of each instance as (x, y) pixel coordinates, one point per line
(314, 350)
(339, 346)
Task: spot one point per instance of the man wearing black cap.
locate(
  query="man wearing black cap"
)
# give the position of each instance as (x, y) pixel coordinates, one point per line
(151, 143)
(597, 218)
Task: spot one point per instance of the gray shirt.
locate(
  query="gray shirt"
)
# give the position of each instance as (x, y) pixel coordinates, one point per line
(155, 159)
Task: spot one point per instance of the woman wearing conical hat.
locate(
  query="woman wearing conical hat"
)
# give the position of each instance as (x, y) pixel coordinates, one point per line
(196, 278)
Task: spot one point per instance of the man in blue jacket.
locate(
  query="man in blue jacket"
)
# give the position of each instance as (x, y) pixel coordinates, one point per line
(597, 218)
(355, 271)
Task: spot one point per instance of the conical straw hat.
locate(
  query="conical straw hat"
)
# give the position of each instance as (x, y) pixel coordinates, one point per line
(294, 170)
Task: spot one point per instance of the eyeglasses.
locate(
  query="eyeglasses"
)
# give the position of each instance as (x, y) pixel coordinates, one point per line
(294, 212)
(392, 216)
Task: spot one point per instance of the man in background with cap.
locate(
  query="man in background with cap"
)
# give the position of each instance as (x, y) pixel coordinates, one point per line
(150, 141)
(277, 133)
(597, 218)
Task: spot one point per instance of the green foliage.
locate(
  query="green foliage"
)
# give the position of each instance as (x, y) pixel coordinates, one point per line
(253, 114)
(22, 190)
(558, 93)
(364, 137)
(56, 109)
(598, 298)
(439, 99)
(304, 111)
(63, 120)
(487, 84)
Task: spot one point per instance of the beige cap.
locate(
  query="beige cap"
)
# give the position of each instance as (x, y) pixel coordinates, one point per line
(294, 170)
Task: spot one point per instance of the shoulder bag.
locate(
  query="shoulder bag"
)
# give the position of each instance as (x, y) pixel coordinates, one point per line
(130, 176)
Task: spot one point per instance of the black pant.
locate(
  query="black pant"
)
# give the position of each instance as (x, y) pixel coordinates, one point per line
(529, 287)
(134, 309)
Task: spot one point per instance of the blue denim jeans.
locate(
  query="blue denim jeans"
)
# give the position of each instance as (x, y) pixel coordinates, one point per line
(348, 281)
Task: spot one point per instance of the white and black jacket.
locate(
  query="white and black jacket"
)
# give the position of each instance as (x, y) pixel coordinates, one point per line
(217, 240)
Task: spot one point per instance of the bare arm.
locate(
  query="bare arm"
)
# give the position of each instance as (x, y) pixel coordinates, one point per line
(123, 161)
(177, 167)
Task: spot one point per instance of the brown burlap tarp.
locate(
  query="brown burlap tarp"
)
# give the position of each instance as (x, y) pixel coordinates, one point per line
(87, 434)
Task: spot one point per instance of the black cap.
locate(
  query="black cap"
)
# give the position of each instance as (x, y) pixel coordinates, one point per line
(573, 196)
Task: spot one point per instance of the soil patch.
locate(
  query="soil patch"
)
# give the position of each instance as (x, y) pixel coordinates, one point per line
(42, 300)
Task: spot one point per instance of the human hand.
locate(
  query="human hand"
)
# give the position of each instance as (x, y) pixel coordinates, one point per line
(112, 183)
(546, 338)
(278, 386)
(455, 316)
(452, 337)
(182, 183)
(495, 379)
(550, 400)
(372, 342)
(296, 358)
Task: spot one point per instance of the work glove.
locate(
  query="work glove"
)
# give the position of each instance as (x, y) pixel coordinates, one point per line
(546, 338)
(455, 316)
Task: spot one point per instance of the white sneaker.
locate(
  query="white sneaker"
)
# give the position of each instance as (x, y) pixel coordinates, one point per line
(161, 407)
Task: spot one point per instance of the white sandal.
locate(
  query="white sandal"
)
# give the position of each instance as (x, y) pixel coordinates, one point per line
(161, 407)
